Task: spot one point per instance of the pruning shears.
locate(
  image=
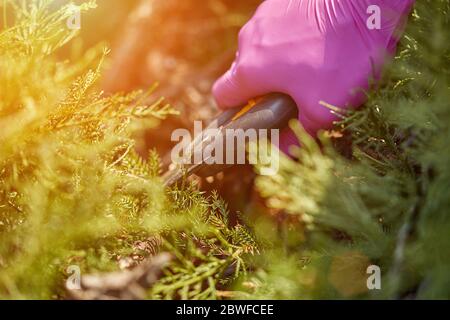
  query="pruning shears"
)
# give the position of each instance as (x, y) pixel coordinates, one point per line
(273, 111)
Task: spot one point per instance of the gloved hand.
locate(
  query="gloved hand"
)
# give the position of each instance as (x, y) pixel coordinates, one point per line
(312, 50)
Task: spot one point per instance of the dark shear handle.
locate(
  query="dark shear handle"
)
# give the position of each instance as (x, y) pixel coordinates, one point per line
(273, 111)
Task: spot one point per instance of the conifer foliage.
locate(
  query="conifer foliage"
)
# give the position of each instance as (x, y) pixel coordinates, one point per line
(385, 202)
(72, 190)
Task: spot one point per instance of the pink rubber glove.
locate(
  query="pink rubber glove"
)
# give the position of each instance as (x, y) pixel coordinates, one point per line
(312, 50)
